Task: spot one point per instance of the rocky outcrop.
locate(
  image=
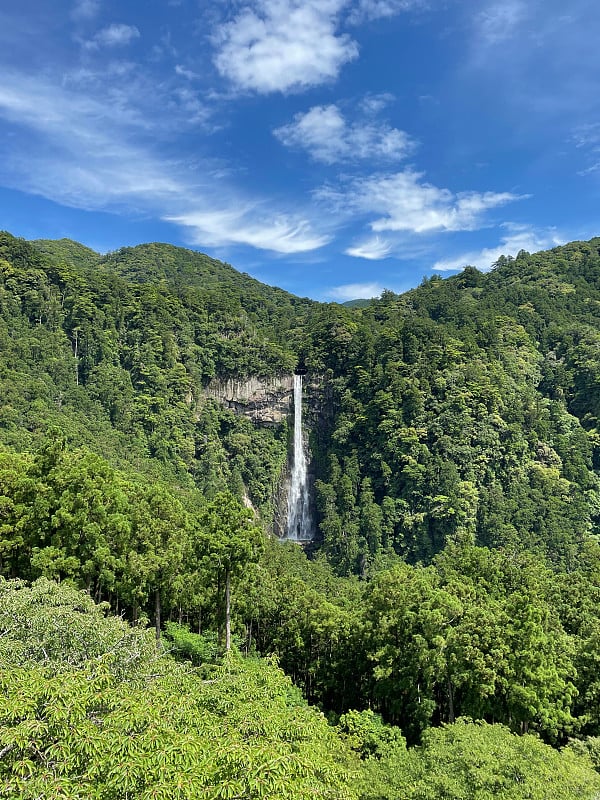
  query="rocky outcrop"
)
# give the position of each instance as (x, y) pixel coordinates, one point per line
(266, 401)
(269, 401)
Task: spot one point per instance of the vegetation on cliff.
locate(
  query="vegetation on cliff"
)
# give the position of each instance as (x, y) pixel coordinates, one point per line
(456, 567)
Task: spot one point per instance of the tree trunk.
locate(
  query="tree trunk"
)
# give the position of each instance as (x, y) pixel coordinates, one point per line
(451, 717)
(227, 610)
(249, 637)
(219, 614)
(76, 349)
(157, 610)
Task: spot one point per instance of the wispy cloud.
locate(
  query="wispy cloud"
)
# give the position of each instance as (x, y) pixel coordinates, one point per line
(326, 135)
(517, 238)
(355, 291)
(372, 104)
(116, 35)
(85, 9)
(186, 73)
(500, 21)
(509, 41)
(277, 232)
(586, 138)
(84, 159)
(283, 45)
(76, 151)
(378, 9)
(404, 202)
(373, 249)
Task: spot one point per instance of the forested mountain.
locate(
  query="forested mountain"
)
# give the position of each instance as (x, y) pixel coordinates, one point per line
(119, 364)
(466, 409)
(455, 572)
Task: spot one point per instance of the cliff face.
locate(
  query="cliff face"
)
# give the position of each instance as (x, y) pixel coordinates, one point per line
(266, 401)
(269, 401)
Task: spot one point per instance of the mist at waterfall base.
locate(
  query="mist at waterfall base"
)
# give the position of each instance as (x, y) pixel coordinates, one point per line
(299, 523)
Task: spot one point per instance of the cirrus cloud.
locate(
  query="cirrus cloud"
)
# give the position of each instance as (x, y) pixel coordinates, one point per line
(277, 232)
(77, 151)
(115, 35)
(373, 249)
(519, 237)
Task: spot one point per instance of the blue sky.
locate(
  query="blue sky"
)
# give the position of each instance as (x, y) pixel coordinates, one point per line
(330, 147)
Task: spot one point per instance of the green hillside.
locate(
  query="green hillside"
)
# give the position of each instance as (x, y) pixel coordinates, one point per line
(119, 365)
(449, 609)
(68, 251)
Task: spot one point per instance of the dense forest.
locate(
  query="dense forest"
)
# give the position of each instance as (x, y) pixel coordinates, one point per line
(441, 639)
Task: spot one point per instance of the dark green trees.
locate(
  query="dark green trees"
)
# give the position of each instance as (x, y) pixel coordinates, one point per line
(228, 541)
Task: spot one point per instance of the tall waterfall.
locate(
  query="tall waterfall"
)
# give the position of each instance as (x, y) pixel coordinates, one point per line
(298, 521)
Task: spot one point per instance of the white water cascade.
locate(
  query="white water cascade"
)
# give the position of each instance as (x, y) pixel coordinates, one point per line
(298, 520)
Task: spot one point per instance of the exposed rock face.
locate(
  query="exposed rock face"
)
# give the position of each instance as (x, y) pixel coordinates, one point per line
(269, 401)
(266, 401)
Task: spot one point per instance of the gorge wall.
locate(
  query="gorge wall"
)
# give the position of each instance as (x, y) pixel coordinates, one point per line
(266, 401)
(269, 402)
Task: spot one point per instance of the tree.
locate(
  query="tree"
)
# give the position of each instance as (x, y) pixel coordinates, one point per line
(60, 628)
(81, 734)
(159, 540)
(227, 540)
(477, 761)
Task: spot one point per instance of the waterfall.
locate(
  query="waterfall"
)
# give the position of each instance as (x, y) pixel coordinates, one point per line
(298, 521)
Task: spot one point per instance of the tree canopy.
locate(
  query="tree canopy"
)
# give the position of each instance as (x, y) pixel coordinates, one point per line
(446, 617)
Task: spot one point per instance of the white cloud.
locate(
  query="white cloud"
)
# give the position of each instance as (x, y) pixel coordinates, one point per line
(85, 9)
(116, 35)
(325, 134)
(185, 73)
(277, 232)
(500, 21)
(372, 249)
(82, 158)
(355, 291)
(77, 151)
(406, 203)
(377, 9)
(518, 238)
(372, 104)
(283, 45)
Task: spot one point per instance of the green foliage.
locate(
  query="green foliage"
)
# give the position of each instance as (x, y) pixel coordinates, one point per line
(60, 629)
(116, 351)
(455, 449)
(244, 733)
(66, 251)
(195, 647)
(463, 411)
(477, 761)
(88, 711)
(365, 732)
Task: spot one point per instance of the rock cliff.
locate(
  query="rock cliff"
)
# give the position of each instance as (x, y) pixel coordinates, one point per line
(266, 401)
